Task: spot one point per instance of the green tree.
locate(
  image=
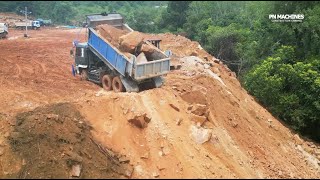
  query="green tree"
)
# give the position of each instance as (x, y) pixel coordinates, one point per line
(175, 16)
(290, 88)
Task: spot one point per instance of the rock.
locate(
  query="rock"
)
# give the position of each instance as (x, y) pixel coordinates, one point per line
(208, 125)
(138, 169)
(174, 107)
(2, 142)
(112, 34)
(198, 124)
(166, 150)
(140, 121)
(317, 152)
(141, 58)
(52, 116)
(200, 135)
(1, 151)
(206, 66)
(196, 96)
(124, 159)
(297, 139)
(215, 70)
(313, 146)
(216, 61)
(161, 153)
(162, 144)
(234, 124)
(178, 122)
(23, 162)
(128, 172)
(76, 170)
(199, 109)
(130, 41)
(74, 156)
(125, 111)
(193, 53)
(155, 174)
(198, 119)
(12, 122)
(160, 167)
(145, 156)
(308, 149)
(190, 107)
(151, 51)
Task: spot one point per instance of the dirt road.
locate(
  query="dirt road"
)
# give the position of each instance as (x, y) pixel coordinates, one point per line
(201, 123)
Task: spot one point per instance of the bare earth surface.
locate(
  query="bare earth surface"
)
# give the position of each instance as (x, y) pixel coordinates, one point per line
(200, 124)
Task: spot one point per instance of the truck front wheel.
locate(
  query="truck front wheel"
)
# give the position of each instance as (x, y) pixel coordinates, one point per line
(107, 82)
(117, 85)
(84, 75)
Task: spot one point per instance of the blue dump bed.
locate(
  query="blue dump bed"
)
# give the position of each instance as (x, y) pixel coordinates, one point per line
(122, 64)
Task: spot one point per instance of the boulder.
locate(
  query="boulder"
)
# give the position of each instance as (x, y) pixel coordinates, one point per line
(297, 139)
(151, 52)
(140, 121)
(76, 170)
(198, 119)
(130, 41)
(111, 34)
(141, 58)
(199, 109)
(200, 135)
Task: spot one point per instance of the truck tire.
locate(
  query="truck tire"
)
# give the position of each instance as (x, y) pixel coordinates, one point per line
(107, 82)
(117, 85)
(84, 75)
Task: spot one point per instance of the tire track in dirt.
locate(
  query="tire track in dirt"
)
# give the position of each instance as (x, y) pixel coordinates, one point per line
(18, 69)
(42, 66)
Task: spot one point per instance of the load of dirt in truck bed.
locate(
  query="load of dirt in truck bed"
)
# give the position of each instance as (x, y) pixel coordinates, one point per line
(112, 34)
(55, 142)
(130, 43)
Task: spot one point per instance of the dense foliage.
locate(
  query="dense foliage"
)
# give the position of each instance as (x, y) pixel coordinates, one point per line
(278, 62)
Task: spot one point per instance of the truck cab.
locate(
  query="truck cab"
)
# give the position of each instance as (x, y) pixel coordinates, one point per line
(3, 30)
(35, 24)
(87, 64)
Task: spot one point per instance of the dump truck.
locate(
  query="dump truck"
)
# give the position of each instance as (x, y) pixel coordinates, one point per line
(44, 22)
(97, 60)
(3, 30)
(29, 24)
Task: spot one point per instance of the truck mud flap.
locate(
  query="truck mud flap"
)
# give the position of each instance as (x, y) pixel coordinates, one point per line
(158, 81)
(129, 84)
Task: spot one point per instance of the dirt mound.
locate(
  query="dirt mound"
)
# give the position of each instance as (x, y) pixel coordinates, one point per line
(11, 18)
(55, 142)
(180, 46)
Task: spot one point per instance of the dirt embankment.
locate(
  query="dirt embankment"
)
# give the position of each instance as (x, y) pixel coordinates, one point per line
(200, 124)
(55, 142)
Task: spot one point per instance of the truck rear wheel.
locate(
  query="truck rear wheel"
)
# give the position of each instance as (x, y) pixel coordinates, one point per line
(117, 85)
(107, 82)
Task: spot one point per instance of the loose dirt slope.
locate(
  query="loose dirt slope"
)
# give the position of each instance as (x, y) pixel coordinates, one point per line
(200, 124)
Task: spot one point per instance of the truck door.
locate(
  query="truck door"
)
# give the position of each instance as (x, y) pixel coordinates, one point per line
(81, 56)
